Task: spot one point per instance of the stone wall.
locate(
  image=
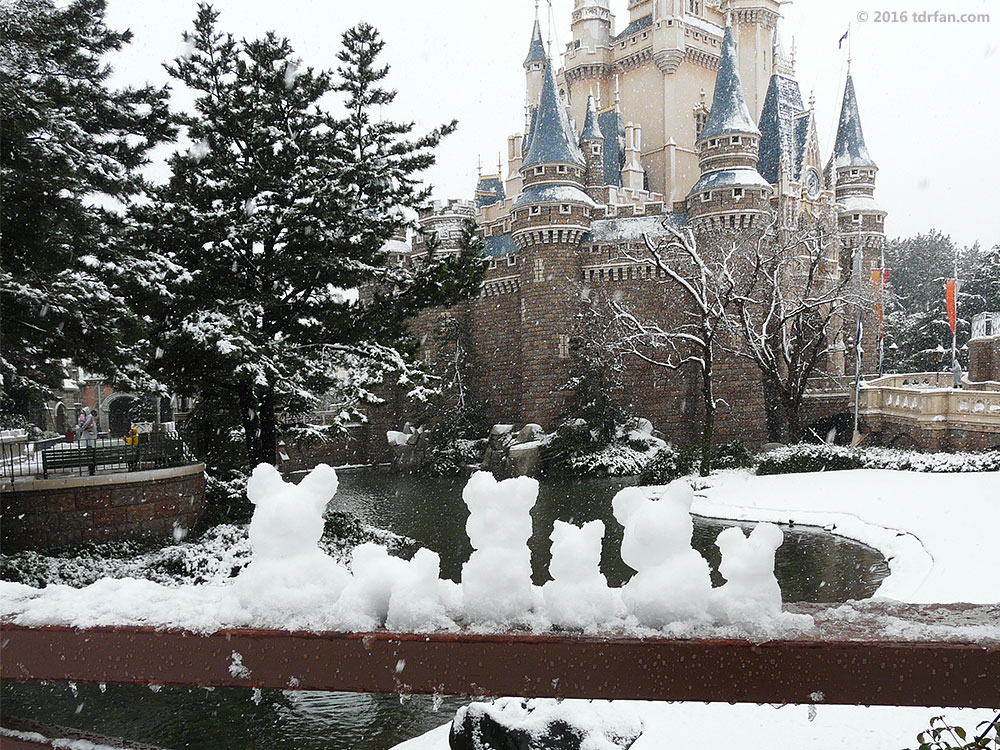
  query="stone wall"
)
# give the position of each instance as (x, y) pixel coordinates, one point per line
(889, 433)
(49, 513)
(984, 359)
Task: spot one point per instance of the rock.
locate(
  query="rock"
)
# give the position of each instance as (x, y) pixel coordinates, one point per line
(512, 724)
(501, 429)
(644, 426)
(771, 447)
(522, 459)
(529, 433)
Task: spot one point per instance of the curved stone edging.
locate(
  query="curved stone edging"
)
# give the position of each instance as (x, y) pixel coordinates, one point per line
(60, 512)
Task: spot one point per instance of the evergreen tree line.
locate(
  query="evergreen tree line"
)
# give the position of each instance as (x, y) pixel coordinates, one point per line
(916, 317)
(255, 278)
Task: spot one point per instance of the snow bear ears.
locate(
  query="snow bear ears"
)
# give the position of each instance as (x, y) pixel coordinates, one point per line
(743, 557)
(631, 499)
(317, 488)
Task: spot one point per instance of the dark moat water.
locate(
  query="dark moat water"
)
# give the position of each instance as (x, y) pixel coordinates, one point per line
(811, 565)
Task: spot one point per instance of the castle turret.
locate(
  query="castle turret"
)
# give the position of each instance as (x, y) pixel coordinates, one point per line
(730, 193)
(861, 221)
(854, 170)
(550, 217)
(534, 69)
(592, 145)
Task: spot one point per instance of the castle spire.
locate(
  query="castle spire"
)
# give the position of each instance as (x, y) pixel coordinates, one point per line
(849, 150)
(552, 140)
(729, 108)
(591, 131)
(536, 50)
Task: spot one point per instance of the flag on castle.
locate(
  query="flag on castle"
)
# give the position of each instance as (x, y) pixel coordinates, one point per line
(843, 38)
(950, 302)
(880, 280)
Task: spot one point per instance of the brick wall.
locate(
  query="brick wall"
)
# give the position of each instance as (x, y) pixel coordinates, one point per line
(48, 513)
(984, 359)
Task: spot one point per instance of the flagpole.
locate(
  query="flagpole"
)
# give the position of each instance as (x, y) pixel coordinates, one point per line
(954, 333)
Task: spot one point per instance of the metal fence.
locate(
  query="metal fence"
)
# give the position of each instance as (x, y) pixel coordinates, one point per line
(43, 459)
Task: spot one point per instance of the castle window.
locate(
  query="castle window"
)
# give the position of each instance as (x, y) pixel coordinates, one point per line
(511, 260)
(595, 148)
(564, 208)
(856, 218)
(735, 140)
(713, 142)
(535, 210)
(493, 263)
(706, 197)
(538, 271)
(694, 7)
(539, 170)
(561, 169)
(855, 172)
(737, 192)
(645, 34)
(700, 121)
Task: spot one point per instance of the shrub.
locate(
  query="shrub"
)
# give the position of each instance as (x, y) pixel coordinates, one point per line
(452, 457)
(808, 458)
(667, 465)
(731, 455)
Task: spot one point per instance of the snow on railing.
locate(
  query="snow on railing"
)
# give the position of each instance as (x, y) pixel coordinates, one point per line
(986, 324)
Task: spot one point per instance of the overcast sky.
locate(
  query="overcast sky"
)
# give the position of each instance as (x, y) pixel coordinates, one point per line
(929, 93)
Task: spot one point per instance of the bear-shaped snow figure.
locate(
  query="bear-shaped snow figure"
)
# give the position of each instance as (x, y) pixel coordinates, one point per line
(578, 595)
(289, 573)
(496, 580)
(374, 572)
(751, 594)
(672, 580)
(417, 600)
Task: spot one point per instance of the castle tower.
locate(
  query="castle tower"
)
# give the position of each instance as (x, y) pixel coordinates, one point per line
(550, 217)
(861, 221)
(589, 55)
(730, 194)
(592, 145)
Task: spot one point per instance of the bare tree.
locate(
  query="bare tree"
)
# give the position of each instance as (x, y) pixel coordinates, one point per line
(791, 300)
(706, 289)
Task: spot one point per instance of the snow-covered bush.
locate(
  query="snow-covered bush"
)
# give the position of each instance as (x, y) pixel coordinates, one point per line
(668, 464)
(795, 459)
(577, 449)
(446, 458)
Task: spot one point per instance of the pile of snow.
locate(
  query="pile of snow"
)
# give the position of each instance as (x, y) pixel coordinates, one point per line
(292, 582)
(289, 571)
(496, 581)
(578, 595)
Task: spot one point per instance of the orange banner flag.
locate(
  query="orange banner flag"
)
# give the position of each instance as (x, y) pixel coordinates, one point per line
(950, 300)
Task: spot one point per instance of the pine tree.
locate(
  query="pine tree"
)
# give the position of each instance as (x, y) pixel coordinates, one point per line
(917, 321)
(270, 234)
(72, 149)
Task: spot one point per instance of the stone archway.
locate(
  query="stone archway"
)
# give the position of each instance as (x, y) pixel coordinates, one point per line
(121, 413)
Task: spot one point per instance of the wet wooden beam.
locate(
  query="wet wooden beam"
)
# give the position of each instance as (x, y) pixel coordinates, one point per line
(859, 654)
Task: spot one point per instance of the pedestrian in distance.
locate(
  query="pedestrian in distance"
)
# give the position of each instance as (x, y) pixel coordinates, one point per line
(87, 428)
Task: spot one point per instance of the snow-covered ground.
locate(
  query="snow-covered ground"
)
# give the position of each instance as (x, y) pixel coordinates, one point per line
(938, 532)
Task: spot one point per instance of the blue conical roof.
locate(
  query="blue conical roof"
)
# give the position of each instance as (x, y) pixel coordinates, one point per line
(782, 104)
(552, 140)
(850, 150)
(729, 109)
(536, 50)
(591, 131)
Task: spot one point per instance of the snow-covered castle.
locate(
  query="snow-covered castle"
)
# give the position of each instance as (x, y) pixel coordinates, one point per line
(691, 115)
